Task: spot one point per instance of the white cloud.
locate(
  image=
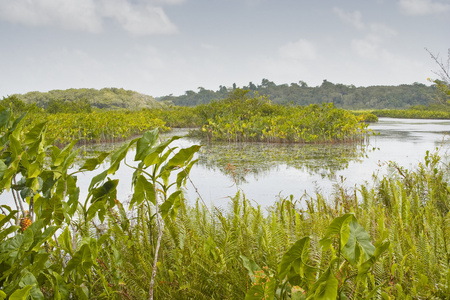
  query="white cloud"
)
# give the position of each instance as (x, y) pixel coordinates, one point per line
(422, 7)
(382, 29)
(162, 2)
(368, 47)
(371, 46)
(142, 18)
(70, 14)
(299, 50)
(353, 18)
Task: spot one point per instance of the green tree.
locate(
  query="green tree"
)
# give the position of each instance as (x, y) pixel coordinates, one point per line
(443, 82)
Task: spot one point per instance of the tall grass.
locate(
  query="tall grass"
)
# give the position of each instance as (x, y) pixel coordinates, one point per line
(202, 250)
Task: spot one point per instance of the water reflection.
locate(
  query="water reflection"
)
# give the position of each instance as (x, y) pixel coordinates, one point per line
(240, 160)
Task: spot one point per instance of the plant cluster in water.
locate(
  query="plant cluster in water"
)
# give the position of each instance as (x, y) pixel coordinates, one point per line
(241, 118)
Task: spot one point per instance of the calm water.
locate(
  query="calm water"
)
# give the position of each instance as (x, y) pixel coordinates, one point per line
(264, 172)
(311, 168)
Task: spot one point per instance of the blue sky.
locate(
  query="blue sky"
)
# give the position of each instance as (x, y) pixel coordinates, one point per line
(161, 47)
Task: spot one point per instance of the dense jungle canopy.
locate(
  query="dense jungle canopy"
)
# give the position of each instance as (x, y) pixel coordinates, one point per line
(342, 96)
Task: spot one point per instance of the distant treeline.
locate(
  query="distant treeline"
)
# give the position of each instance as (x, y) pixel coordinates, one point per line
(82, 99)
(342, 96)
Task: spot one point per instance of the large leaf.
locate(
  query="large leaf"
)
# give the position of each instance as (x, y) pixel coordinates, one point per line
(98, 178)
(92, 163)
(250, 265)
(358, 240)
(256, 292)
(3, 169)
(21, 294)
(143, 189)
(35, 292)
(61, 157)
(184, 174)
(260, 292)
(146, 143)
(152, 156)
(118, 156)
(33, 135)
(340, 227)
(82, 259)
(368, 264)
(183, 156)
(295, 257)
(170, 206)
(65, 240)
(325, 288)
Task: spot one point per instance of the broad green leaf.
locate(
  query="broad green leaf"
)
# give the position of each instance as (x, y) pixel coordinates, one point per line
(41, 238)
(297, 254)
(143, 189)
(325, 288)
(4, 218)
(183, 174)
(358, 239)
(92, 163)
(250, 265)
(340, 227)
(152, 156)
(98, 178)
(118, 156)
(170, 205)
(183, 156)
(5, 116)
(256, 292)
(98, 207)
(146, 143)
(33, 135)
(5, 232)
(21, 294)
(65, 240)
(63, 155)
(367, 265)
(82, 292)
(105, 191)
(35, 292)
(81, 259)
(15, 146)
(40, 261)
(3, 169)
(34, 170)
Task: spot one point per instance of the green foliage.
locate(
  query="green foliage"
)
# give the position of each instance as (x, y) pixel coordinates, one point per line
(342, 96)
(17, 106)
(240, 118)
(57, 250)
(96, 127)
(413, 113)
(61, 106)
(107, 98)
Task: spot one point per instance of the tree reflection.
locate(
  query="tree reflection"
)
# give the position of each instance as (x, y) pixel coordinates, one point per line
(240, 160)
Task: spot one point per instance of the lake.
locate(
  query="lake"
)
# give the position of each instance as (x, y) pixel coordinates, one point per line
(265, 172)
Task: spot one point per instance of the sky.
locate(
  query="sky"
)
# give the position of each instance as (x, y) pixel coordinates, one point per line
(162, 47)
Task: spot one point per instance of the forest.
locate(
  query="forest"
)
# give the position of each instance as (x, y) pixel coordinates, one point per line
(106, 98)
(342, 96)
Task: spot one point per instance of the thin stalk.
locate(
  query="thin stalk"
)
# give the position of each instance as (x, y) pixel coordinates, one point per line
(158, 243)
